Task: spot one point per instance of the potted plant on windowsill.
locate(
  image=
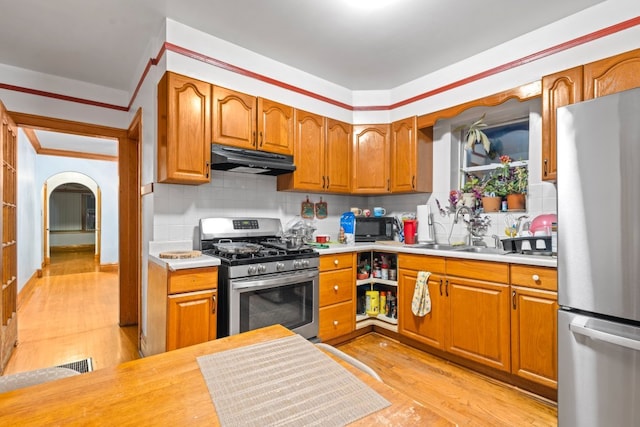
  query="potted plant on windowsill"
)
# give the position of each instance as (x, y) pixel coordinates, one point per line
(492, 191)
(471, 191)
(517, 182)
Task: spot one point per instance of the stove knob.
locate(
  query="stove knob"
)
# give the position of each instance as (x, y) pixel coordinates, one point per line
(262, 269)
(305, 263)
(296, 263)
(253, 269)
(280, 266)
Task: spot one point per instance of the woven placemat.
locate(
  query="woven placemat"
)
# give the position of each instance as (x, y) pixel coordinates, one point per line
(285, 382)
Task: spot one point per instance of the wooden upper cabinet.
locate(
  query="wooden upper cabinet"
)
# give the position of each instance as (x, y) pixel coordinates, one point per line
(558, 90)
(338, 157)
(275, 127)
(370, 173)
(184, 130)
(234, 118)
(249, 122)
(309, 154)
(322, 154)
(411, 157)
(611, 75)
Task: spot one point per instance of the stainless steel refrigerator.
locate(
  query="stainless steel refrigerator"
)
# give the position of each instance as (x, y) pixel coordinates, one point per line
(599, 261)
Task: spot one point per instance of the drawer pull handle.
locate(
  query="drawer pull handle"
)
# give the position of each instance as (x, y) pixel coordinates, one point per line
(335, 323)
(335, 262)
(535, 277)
(335, 288)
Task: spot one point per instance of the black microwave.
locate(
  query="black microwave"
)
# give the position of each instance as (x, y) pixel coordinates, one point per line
(370, 229)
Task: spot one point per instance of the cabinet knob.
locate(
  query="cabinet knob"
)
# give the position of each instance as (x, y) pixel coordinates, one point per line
(535, 277)
(335, 262)
(335, 323)
(335, 288)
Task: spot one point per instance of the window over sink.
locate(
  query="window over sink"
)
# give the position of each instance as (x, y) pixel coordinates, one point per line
(510, 138)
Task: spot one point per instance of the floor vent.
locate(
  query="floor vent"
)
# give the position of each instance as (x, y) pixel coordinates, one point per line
(82, 366)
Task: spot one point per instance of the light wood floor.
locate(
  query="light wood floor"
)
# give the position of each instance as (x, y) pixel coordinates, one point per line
(68, 317)
(71, 314)
(458, 394)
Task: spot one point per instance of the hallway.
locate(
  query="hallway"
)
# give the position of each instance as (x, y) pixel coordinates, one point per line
(71, 314)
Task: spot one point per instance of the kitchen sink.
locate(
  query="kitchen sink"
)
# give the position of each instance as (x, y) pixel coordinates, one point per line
(481, 250)
(436, 246)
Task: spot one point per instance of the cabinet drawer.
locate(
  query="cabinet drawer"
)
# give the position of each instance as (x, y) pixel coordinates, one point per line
(336, 320)
(193, 279)
(480, 270)
(535, 277)
(336, 286)
(428, 263)
(336, 261)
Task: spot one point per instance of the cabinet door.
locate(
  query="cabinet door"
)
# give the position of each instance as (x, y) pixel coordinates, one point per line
(371, 159)
(191, 318)
(234, 118)
(534, 351)
(611, 75)
(479, 321)
(336, 286)
(275, 127)
(309, 152)
(338, 157)
(403, 155)
(558, 90)
(429, 329)
(336, 320)
(184, 130)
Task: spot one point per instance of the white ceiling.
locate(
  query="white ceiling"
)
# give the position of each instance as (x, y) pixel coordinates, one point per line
(104, 42)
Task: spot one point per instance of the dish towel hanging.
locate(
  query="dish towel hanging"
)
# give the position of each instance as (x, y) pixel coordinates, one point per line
(421, 303)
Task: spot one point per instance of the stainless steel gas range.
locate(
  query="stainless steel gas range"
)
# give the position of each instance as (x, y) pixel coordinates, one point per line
(262, 281)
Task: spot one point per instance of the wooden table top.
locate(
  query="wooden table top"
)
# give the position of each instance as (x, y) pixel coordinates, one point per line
(168, 389)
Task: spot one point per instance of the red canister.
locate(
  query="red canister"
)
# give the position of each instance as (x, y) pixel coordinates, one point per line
(410, 230)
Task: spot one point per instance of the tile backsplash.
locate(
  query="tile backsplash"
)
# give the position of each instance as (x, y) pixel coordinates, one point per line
(178, 208)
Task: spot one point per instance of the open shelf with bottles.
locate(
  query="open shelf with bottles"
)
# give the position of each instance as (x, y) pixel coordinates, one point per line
(377, 290)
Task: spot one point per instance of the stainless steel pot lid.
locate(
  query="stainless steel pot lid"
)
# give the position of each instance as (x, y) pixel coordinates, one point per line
(238, 247)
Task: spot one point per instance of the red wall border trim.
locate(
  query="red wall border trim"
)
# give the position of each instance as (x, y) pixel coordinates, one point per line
(621, 26)
(54, 95)
(243, 71)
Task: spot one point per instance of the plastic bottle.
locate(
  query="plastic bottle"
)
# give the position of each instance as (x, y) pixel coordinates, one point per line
(383, 303)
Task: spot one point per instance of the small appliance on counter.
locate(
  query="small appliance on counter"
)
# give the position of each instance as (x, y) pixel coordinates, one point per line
(426, 229)
(372, 229)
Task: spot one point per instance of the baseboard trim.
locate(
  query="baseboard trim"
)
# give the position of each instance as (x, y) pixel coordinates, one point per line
(109, 268)
(72, 248)
(27, 290)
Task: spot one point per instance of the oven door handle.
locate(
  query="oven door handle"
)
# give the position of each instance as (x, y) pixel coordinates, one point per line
(280, 280)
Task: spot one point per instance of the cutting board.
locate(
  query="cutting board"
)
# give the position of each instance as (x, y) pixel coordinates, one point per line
(179, 254)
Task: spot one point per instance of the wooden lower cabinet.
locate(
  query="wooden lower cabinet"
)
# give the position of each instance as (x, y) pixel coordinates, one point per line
(478, 323)
(337, 289)
(191, 318)
(336, 320)
(181, 307)
(534, 313)
(469, 317)
(431, 328)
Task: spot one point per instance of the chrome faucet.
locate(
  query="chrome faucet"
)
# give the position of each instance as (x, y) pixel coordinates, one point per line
(455, 220)
(496, 241)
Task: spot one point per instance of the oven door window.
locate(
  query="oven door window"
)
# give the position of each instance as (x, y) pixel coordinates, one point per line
(289, 305)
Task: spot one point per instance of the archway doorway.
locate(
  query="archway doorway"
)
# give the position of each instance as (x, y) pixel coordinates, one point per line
(72, 219)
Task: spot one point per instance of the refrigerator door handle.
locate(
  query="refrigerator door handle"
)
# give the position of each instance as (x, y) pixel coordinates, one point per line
(578, 326)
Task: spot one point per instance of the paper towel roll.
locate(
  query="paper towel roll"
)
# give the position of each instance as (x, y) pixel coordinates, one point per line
(424, 231)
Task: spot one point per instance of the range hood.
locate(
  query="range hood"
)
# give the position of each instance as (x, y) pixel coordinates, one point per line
(250, 161)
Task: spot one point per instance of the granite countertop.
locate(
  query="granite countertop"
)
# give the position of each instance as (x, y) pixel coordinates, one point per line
(397, 247)
(156, 247)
